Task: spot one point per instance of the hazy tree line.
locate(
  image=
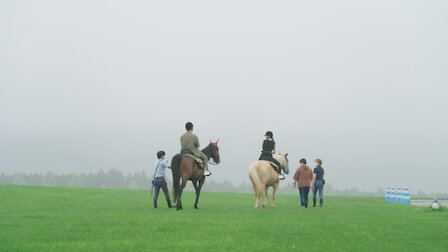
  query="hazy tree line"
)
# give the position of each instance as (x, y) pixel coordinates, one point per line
(141, 181)
(101, 179)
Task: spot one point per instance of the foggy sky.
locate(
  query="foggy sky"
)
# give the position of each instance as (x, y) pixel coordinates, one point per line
(90, 85)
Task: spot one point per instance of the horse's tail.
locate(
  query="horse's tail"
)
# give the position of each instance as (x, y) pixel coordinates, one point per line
(175, 169)
(255, 178)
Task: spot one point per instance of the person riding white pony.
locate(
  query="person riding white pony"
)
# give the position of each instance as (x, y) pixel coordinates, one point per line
(263, 176)
(269, 148)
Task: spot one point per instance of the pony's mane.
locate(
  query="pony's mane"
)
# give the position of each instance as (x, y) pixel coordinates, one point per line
(283, 160)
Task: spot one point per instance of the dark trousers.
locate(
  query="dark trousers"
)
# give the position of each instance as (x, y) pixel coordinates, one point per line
(304, 191)
(161, 183)
(278, 170)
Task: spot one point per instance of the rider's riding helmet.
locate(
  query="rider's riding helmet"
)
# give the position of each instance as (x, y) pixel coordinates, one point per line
(189, 126)
(269, 134)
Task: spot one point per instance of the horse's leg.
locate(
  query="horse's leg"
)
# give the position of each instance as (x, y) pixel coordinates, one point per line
(273, 194)
(266, 198)
(182, 186)
(195, 185)
(257, 196)
(254, 185)
(255, 189)
(198, 191)
(257, 201)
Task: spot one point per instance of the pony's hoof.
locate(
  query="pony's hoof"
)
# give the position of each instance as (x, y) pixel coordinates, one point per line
(272, 206)
(263, 206)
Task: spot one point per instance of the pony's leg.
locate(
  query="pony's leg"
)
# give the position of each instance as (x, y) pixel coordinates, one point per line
(273, 194)
(257, 197)
(255, 189)
(257, 201)
(266, 197)
(198, 191)
(182, 186)
(257, 204)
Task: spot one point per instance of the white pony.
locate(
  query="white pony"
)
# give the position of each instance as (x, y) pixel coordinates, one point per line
(264, 176)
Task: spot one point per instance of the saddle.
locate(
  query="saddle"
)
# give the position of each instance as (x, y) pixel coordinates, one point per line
(270, 162)
(197, 159)
(274, 166)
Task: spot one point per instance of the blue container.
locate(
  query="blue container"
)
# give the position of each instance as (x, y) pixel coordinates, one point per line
(395, 195)
(406, 197)
(400, 195)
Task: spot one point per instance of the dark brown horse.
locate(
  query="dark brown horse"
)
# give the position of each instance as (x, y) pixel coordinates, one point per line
(186, 168)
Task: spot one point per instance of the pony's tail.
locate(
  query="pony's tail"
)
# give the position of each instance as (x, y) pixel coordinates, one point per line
(175, 169)
(255, 179)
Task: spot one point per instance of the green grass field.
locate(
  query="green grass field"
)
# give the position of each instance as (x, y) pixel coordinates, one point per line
(65, 219)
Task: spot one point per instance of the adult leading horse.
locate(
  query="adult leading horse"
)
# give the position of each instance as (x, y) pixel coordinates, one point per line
(186, 168)
(264, 176)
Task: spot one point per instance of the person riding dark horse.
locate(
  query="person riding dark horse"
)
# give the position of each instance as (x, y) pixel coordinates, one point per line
(269, 148)
(185, 167)
(189, 142)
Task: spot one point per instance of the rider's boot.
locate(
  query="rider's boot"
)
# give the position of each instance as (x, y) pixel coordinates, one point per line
(207, 172)
(280, 175)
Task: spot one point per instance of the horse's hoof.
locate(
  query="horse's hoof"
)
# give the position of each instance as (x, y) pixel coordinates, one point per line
(272, 206)
(264, 206)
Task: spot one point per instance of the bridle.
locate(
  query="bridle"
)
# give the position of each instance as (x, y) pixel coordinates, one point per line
(215, 145)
